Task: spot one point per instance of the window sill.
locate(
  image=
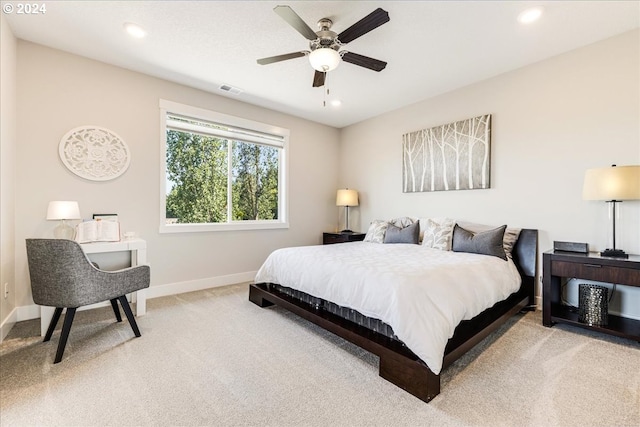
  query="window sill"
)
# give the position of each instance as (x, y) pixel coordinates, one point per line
(234, 226)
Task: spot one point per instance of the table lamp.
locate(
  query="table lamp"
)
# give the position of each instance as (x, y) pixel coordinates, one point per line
(347, 198)
(612, 185)
(61, 211)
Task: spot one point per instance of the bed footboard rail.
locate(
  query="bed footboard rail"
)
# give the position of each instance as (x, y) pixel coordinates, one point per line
(398, 364)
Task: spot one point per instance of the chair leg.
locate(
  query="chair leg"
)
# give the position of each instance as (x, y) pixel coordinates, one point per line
(66, 327)
(116, 310)
(53, 323)
(129, 313)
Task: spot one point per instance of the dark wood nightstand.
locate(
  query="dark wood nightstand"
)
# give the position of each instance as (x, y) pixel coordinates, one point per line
(591, 266)
(330, 238)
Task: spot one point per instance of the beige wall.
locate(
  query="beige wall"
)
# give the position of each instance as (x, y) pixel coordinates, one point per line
(58, 91)
(8, 144)
(551, 122)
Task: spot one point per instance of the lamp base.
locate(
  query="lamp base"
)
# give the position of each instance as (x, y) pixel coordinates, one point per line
(614, 253)
(64, 231)
(347, 232)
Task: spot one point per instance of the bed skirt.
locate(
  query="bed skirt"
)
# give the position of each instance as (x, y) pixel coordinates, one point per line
(346, 313)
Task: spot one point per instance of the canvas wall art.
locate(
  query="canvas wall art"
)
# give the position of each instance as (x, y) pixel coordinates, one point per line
(455, 156)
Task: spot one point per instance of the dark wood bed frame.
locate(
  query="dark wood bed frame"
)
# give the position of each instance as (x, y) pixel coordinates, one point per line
(398, 364)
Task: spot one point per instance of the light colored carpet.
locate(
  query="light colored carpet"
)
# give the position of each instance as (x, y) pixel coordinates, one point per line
(213, 358)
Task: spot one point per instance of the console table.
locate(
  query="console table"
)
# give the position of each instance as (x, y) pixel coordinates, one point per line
(591, 266)
(138, 254)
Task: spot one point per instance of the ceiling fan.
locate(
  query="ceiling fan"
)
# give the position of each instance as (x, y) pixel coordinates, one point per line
(325, 54)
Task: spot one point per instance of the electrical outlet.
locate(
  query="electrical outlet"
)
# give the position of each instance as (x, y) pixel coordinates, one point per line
(6, 290)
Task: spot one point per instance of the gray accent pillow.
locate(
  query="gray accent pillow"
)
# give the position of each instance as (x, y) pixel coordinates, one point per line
(511, 234)
(484, 243)
(409, 234)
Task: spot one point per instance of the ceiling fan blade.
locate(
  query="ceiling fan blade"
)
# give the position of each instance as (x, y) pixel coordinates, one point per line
(363, 26)
(292, 18)
(278, 58)
(318, 78)
(364, 61)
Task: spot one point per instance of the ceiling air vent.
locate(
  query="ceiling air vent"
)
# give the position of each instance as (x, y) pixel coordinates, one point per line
(231, 89)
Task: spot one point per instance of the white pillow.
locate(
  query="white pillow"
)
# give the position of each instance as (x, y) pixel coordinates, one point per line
(438, 233)
(376, 231)
(402, 222)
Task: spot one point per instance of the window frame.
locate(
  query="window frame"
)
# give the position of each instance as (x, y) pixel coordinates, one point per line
(170, 107)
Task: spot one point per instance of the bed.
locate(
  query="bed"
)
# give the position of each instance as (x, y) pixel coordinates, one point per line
(341, 288)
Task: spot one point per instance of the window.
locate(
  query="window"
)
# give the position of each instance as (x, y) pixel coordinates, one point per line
(220, 172)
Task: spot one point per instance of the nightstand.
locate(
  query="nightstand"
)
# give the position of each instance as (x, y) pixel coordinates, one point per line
(591, 266)
(330, 238)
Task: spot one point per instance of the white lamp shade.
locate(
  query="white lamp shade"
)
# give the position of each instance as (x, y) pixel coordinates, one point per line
(63, 210)
(324, 59)
(347, 197)
(613, 183)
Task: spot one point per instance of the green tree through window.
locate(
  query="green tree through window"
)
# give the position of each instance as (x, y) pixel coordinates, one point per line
(255, 182)
(197, 171)
(221, 172)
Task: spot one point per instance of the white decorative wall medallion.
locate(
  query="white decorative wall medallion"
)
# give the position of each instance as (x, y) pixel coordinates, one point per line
(94, 153)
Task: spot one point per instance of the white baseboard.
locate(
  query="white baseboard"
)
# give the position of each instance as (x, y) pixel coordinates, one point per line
(29, 312)
(8, 323)
(626, 315)
(199, 284)
(610, 311)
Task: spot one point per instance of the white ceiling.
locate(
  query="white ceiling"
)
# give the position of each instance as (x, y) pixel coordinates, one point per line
(431, 47)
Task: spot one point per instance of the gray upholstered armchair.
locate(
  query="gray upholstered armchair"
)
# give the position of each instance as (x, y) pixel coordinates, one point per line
(63, 277)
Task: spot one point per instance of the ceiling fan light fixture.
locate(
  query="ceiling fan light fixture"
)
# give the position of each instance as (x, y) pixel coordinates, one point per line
(324, 59)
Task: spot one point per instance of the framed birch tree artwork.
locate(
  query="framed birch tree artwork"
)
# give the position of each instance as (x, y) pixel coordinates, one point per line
(455, 156)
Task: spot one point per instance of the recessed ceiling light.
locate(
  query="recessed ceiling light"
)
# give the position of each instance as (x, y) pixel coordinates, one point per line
(336, 103)
(530, 15)
(134, 30)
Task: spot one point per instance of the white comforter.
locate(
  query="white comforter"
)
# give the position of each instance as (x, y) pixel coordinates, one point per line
(422, 293)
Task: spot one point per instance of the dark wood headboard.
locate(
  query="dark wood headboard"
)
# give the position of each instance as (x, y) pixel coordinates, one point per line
(525, 256)
(525, 252)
